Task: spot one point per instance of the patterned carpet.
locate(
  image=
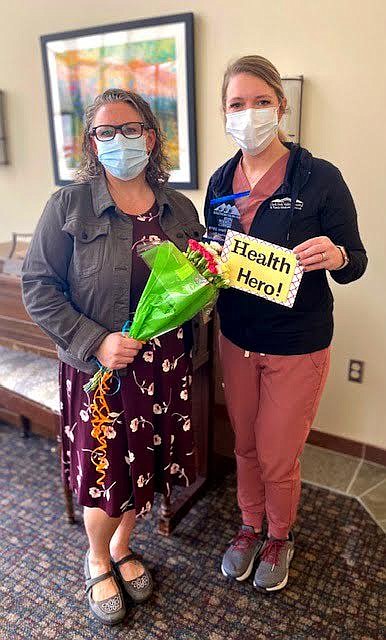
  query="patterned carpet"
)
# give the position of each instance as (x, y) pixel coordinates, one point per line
(334, 591)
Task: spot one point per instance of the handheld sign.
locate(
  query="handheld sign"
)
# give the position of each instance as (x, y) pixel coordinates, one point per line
(262, 268)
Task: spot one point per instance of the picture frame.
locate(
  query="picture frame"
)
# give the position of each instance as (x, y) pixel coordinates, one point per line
(153, 56)
(291, 121)
(3, 138)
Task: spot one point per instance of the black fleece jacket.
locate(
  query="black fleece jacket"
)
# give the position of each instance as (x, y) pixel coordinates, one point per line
(313, 201)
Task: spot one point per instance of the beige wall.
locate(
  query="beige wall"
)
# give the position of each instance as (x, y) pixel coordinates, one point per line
(338, 45)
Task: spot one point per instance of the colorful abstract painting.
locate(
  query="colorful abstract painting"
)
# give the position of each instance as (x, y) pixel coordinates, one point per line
(152, 57)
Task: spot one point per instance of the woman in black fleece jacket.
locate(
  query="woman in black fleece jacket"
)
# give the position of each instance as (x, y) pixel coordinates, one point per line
(275, 359)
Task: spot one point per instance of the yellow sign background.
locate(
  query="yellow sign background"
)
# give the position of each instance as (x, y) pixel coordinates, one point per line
(276, 280)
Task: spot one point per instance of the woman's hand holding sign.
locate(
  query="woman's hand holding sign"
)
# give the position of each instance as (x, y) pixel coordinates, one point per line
(319, 253)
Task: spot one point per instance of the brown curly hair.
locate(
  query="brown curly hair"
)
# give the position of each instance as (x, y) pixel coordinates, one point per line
(158, 168)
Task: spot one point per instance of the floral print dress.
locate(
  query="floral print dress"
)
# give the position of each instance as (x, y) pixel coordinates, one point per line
(149, 443)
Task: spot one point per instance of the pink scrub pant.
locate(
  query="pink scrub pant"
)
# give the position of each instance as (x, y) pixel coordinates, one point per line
(272, 402)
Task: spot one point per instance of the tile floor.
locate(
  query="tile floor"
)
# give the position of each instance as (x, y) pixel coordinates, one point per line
(351, 476)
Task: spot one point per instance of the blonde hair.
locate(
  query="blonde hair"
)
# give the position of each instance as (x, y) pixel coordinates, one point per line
(157, 170)
(260, 68)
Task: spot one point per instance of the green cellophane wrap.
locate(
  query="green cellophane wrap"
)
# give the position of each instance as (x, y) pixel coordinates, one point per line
(175, 292)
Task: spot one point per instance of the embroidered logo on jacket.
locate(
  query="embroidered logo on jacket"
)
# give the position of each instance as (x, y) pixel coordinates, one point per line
(285, 203)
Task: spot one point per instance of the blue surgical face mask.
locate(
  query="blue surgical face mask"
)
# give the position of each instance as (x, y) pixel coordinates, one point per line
(124, 158)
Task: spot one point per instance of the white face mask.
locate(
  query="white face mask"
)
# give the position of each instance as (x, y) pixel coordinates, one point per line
(253, 129)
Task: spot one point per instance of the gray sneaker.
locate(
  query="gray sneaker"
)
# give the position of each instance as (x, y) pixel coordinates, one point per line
(272, 572)
(239, 558)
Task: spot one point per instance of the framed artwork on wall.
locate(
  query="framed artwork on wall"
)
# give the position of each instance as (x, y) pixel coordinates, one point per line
(154, 57)
(291, 121)
(3, 138)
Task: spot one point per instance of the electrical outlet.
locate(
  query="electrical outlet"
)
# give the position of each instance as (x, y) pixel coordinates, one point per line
(355, 370)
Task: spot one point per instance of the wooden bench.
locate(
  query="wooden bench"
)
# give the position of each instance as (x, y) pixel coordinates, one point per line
(29, 388)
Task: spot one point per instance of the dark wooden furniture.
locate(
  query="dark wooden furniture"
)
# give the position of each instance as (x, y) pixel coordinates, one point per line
(16, 328)
(18, 331)
(172, 511)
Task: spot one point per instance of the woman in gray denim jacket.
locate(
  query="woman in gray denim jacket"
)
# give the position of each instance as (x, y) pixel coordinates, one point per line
(82, 279)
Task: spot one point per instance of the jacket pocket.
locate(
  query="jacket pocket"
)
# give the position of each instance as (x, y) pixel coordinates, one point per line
(89, 246)
(194, 231)
(180, 234)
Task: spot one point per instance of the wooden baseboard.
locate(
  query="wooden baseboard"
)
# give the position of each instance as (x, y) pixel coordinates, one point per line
(347, 446)
(375, 454)
(224, 441)
(336, 443)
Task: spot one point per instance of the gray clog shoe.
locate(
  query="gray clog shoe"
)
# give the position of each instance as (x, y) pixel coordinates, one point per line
(139, 589)
(110, 611)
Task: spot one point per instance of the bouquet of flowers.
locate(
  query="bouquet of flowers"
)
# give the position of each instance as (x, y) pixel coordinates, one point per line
(179, 286)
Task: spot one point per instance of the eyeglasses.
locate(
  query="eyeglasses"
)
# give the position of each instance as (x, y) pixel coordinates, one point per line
(130, 130)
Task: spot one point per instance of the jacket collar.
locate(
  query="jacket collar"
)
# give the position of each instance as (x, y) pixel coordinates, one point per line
(102, 200)
(297, 172)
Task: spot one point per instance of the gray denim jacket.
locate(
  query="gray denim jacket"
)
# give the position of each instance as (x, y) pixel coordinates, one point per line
(77, 272)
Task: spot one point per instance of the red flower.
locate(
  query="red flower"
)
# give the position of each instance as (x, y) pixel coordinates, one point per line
(194, 245)
(208, 256)
(212, 268)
